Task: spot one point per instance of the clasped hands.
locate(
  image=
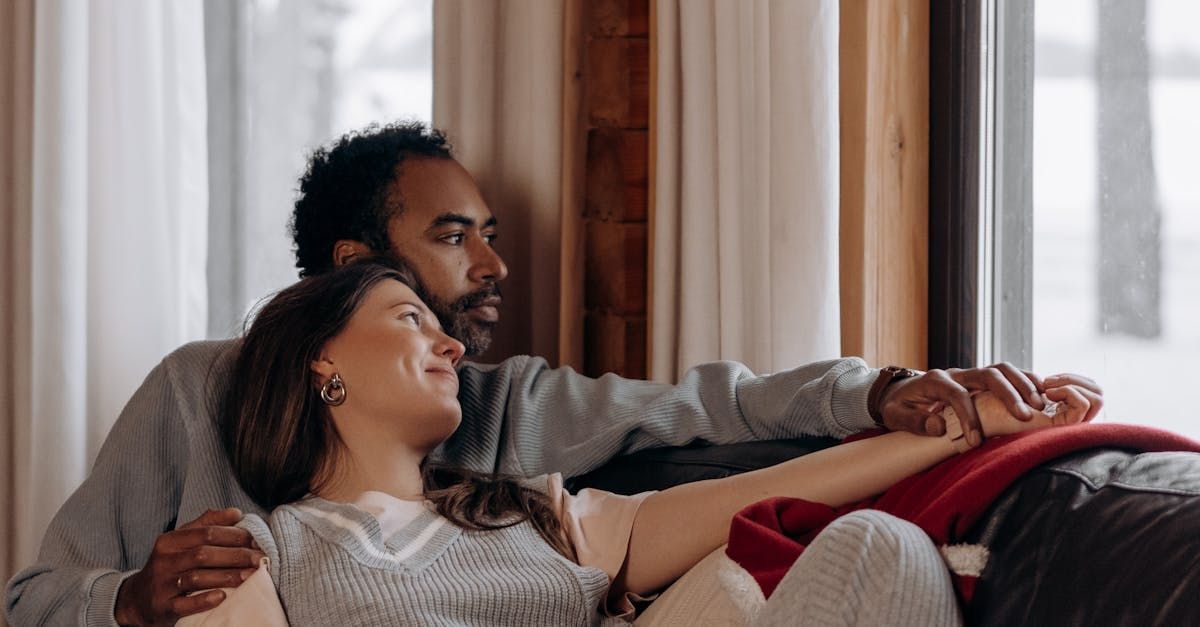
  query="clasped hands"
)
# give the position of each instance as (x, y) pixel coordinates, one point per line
(916, 404)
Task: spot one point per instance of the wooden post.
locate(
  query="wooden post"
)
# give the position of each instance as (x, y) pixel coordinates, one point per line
(884, 83)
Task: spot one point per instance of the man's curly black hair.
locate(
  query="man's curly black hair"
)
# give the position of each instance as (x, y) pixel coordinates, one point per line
(344, 193)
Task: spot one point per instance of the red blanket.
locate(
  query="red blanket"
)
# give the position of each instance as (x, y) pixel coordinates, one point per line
(945, 501)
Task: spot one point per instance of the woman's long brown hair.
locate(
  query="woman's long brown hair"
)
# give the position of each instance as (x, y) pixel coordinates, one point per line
(279, 435)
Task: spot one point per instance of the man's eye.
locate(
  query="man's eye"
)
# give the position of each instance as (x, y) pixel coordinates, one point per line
(490, 237)
(454, 239)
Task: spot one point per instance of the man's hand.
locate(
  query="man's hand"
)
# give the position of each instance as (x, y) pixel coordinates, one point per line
(205, 554)
(915, 404)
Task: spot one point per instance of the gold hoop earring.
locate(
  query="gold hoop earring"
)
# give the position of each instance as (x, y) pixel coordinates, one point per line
(334, 391)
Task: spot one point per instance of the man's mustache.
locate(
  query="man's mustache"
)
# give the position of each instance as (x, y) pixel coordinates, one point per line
(478, 298)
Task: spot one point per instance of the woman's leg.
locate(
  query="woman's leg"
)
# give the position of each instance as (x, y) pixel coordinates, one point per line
(865, 568)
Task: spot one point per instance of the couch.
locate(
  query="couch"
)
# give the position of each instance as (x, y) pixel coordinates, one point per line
(1102, 537)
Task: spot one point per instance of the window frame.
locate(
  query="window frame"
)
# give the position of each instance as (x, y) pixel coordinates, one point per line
(981, 190)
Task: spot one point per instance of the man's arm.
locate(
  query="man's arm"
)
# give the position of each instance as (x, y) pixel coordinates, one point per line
(106, 529)
(676, 528)
(522, 417)
(110, 547)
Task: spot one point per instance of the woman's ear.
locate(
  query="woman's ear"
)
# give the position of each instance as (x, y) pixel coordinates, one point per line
(323, 368)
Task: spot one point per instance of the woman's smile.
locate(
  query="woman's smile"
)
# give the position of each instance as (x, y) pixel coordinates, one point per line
(444, 372)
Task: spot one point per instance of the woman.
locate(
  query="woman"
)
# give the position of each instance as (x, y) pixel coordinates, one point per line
(345, 383)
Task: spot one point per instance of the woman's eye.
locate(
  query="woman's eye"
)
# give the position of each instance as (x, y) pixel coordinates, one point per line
(412, 316)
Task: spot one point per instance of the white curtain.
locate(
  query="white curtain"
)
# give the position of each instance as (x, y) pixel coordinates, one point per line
(746, 191)
(274, 90)
(16, 116)
(499, 92)
(108, 273)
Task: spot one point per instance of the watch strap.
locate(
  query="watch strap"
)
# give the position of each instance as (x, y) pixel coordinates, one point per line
(887, 376)
(954, 430)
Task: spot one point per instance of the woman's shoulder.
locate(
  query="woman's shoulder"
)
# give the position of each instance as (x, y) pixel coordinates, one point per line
(260, 530)
(550, 484)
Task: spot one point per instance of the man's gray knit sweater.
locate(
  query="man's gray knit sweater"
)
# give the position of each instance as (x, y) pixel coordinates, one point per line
(332, 566)
(162, 464)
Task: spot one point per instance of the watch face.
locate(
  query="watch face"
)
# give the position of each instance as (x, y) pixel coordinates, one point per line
(898, 372)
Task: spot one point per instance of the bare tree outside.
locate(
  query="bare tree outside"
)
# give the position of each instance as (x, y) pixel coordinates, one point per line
(1130, 261)
(1116, 201)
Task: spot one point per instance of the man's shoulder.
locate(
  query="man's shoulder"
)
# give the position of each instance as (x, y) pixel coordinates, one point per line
(197, 369)
(515, 370)
(201, 357)
(514, 363)
(202, 352)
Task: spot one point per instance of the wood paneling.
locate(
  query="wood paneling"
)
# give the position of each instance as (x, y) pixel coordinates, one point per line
(616, 183)
(616, 267)
(617, 175)
(624, 342)
(884, 56)
(618, 79)
(618, 18)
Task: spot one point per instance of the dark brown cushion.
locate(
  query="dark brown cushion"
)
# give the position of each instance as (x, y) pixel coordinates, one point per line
(1102, 537)
(661, 468)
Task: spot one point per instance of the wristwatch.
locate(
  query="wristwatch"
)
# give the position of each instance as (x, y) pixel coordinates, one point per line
(887, 376)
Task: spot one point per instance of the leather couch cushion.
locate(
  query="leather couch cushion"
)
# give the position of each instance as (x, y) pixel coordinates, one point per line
(661, 468)
(1102, 537)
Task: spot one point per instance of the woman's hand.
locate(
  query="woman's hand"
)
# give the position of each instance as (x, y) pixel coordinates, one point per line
(1065, 405)
(1080, 384)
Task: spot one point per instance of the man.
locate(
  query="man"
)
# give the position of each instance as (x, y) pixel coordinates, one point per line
(110, 553)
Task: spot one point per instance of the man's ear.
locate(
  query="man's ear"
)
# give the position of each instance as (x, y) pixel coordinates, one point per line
(347, 250)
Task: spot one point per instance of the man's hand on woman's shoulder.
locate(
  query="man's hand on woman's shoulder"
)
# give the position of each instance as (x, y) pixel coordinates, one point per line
(205, 554)
(915, 404)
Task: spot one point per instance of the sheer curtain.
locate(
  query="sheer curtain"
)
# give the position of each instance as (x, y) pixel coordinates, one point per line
(271, 88)
(283, 79)
(16, 119)
(109, 245)
(500, 93)
(744, 254)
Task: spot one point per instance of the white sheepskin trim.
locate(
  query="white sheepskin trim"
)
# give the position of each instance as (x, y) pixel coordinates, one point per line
(745, 592)
(714, 592)
(965, 559)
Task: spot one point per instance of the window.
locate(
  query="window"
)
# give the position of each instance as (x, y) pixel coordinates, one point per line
(383, 63)
(1078, 122)
(1116, 201)
(283, 78)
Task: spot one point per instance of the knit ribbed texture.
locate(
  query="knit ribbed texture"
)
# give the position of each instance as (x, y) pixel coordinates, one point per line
(163, 464)
(332, 567)
(866, 568)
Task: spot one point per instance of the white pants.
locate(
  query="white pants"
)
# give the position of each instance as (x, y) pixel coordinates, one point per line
(865, 568)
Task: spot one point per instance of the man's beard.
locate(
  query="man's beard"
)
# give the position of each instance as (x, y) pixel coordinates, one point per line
(476, 335)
